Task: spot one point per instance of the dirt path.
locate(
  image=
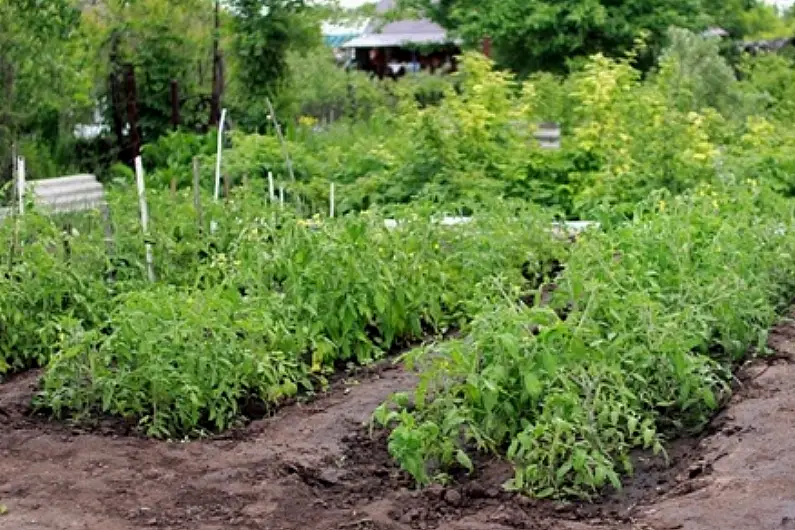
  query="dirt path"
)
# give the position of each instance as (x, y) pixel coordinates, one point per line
(313, 467)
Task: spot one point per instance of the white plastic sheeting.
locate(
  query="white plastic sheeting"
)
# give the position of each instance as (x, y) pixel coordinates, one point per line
(64, 194)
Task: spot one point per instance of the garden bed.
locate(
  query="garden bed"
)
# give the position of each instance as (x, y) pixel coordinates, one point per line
(314, 466)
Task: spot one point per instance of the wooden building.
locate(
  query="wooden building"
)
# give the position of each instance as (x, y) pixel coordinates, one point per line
(398, 48)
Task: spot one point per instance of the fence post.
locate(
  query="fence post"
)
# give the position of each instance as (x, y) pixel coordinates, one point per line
(139, 176)
(213, 223)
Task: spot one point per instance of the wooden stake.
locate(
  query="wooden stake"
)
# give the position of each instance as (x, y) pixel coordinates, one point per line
(197, 196)
(21, 184)
(139, 176)
(218, 154)
(281, 139)
(271, 192)
(173, 186)
(331, 202)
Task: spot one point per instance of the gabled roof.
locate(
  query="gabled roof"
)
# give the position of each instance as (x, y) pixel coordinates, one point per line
(401, 32)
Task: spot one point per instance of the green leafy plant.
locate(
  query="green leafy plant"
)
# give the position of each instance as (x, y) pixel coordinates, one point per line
(265, 305)
(637, 341)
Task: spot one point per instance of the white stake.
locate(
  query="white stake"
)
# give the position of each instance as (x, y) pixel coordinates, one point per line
(218, 155)
(271, 193)
(21, 184)
(331, 202)
(139, 176)
(281, 195)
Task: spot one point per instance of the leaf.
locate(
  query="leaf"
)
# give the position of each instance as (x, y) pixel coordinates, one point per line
(463, 459)
(632, 424)
(532, 385)
(648, 437)
(563, 471)
(709, 398)
(545, 493)
(3, 509)
(614, 480)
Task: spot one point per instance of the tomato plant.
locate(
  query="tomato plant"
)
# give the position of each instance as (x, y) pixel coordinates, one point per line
(637, 341)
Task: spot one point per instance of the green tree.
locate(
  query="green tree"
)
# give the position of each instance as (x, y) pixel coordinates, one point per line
(766, 22)
(161, 41)
(531, 35)
(545, 34)
(43, 90)
(263, 33)
(693, 73)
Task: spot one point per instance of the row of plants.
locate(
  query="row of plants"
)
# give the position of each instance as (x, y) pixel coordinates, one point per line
(256, 311)
(625, 134)
(636, 343)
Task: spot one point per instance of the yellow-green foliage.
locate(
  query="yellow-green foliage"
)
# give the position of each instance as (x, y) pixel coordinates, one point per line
(624, 136)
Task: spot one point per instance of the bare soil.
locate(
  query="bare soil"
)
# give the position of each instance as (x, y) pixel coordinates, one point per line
(314, 466)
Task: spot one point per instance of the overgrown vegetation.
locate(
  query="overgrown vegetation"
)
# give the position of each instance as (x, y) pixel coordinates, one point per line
(569, 354)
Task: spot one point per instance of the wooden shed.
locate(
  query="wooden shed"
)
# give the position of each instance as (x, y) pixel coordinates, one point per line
(404, 46)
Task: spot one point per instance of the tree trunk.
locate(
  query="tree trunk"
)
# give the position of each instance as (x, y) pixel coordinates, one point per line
(215, 103)
(115, 87)
(132, 111)
(7, 123)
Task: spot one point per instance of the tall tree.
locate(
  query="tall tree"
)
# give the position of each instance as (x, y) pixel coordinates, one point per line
(264, 31)
(165, 45)
(42, 87)
(531, 35)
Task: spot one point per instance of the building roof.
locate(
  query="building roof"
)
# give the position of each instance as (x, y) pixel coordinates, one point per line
(715, 32)
(399, 33)
(335, 35)
(767, 45)
(388, 40)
